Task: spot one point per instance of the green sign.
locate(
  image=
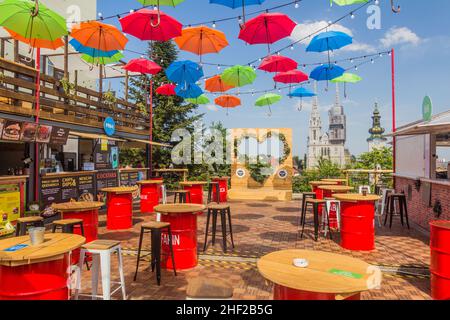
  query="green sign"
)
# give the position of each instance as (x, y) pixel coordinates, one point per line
(427, 109)
(347, 274)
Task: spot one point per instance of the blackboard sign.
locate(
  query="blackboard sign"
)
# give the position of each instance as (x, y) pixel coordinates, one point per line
(86, 188)
(106, 179)
(129, 179)
(69, 189)
(51, 191)
(59, 136)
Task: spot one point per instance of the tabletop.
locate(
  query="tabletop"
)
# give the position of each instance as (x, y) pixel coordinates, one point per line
(335, 180)
(356, 197)
(193, 183)
(326, 273)
(150, 182)
(77, 206)
(179, 208)
(441, 224)
(322, 183)
(55, 245)
(336, 188)
(120, 190)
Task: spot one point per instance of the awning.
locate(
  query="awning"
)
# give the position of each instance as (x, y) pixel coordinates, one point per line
(151, 143)
(439, 124)
(95, 136)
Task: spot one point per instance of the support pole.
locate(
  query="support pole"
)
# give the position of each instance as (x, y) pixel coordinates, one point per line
(38, 107)
(150, 160)
(66, 57)
(394, 120)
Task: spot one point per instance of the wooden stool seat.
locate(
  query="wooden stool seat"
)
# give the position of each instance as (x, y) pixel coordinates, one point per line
(30, 219)
(23, 224)
(101, 245)
(209, 288)
(219, 206)
(66, 222)
(316, 201)
(155, 225)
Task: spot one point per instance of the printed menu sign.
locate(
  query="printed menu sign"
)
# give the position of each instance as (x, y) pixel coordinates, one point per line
(69, 188)
(86, 188)
(43, 134)
(129, 179)
(51, 191)
(11, 130)
(59, 136)
(2, 125)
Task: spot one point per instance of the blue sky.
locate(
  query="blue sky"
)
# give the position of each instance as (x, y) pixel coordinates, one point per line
(419, 34)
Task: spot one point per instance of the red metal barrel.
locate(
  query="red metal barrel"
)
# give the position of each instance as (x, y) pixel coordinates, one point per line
(184, 241)
(119, 211)
(358, 225)
(440, 260)
(36, 281)
(223, 189)
(284, 293)
(196, 193)
(149, 196)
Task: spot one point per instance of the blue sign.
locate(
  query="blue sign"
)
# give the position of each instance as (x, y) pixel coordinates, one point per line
(109, 125)
(16, 248)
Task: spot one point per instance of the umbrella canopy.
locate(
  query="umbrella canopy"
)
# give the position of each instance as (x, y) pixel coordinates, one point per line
(347, 78)
(32, 20)
(201, 40)
(190, 90)
(267, 28)
(347, 2)
(183, 72)
(99, 35)
(278, 64)
(237, 4)
(199, 100)
(329, 41)
(302, 93)
(37, 43)
(142, 66)
(91, 51)
(239, 76)
(166, 90)
(228, 101)
(268, 100)
(293, 76)
(326, 72)
(157, 3)
(216, 84)
(103, 60)
(142, 25)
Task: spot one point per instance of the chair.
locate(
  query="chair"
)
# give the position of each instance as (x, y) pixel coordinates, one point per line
(315, 203)
(400, 199)
(382, 205)
(337, 209)
(209, 289)
(225, 213)
(24, 223)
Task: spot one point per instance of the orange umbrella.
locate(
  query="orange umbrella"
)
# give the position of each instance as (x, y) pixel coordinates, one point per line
(216, 84)
(37, 43)
(228, 102)
(201, 40)
(99, 35)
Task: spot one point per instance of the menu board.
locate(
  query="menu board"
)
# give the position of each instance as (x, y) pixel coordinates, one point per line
(12, 130)
(106, 179)
(69, 188)
(129, 179)
(86, 188)
(51, 191)
(59, 136)
(28, 133)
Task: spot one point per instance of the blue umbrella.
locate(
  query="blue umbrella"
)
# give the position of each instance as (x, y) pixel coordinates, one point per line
(302, 93)
(329, 41)
(184, 72)
(188, 91)
(237, 4)
(95, 53)
(326, 72)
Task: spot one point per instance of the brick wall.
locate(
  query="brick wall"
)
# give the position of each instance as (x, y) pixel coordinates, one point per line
(419, 210)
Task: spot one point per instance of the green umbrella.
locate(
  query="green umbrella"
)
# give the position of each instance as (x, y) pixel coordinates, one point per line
(238, 76)
(200, 100)
(347, 78)
(347, 2)
(268, 100)
(103, 60)
(32, 20)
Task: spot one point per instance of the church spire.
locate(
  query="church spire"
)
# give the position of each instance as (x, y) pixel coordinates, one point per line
(338, 98)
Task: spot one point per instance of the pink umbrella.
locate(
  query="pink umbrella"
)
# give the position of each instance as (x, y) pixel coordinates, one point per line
(142, 66)
(278, 64)
(141, 25)
(267, 28)
(293, 76)
(166, 90)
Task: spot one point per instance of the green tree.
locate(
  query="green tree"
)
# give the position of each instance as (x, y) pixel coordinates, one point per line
(325, 169)
(378, 157)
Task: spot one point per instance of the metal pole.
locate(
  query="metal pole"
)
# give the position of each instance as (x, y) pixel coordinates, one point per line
(38, 107)
(394, 120)
(150, 162)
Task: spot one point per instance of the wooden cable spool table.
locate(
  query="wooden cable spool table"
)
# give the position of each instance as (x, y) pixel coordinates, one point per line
(119, 203)
(195, 189)
(183, 222)
(340, 182)
(150, 190)
(328, 276)
(37, 272)
(357, 221)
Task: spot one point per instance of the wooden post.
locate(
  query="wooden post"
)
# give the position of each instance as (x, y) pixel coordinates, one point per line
(16, 51)
(66, 57)
(75, 81)
(2, 48)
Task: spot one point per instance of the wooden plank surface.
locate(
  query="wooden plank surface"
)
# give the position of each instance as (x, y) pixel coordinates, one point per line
(77, 206)
(179, 208)
(355, 197)
(120, 190)
(336, 188)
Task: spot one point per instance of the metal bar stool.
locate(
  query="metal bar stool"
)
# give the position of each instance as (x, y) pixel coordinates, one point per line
(225, 213)
(306, 196)
(399, 198)
(24, 223)
(315, 206)
(212, 185)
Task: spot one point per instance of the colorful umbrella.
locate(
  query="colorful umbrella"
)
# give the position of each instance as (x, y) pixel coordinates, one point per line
(278, 64)
(37, 43)
(91, 51)
(237, 4)
(141, 24)
(199, 100)
(103, 60)
(166, 90)
(293, 76)
(347, 78)
(201, 40)
(216, 84)
(183, 72)
(99, 35)
(268, 100)
(158, 3)
(190, 90)
(347, 2)
(142, 66)
(329, 41)
(326, 72)
(267, 28)
(238, 76)
(301, 93)
(227, 101)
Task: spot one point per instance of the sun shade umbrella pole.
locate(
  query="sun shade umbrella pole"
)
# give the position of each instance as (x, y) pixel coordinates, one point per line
(158, 22)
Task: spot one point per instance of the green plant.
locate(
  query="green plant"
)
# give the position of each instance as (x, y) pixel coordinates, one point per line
(142, 108)
(132, 157)
(68, 87)
(325, 169)
(109, 98)
(258, 171)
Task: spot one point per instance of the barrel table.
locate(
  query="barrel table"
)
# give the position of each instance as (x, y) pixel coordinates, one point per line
(150, 194)
(327, 192)
(119, 204)
(357, 221)
(341, 182)
(37, 272)
(223, 188)
(195, 189)
(183, 222)
(328, 276)
(440, 260)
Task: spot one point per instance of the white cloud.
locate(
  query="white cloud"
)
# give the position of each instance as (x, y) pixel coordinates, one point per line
(400, 36)
(360, 47)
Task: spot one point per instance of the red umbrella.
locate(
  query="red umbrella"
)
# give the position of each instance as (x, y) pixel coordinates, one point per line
(278, 64)
(141, 25)
(142, 66)
(293, 76)
(267, 28)
(166, 90)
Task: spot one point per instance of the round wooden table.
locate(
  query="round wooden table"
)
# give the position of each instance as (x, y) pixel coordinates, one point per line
(183, 222)
(223, 188)
(195, 189)
(327, 192)
(119, 203)
(37, 272)
(357, 221)
(150, 190)
(340, 182)
(328, 276)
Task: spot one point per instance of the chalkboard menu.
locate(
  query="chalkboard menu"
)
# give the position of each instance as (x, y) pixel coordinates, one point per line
(129, 179)
(51, 191)
(106, 179)
(86, 188)
(59, 136)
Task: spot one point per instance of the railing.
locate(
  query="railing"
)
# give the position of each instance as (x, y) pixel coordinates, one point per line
(369, 177)
(81, 106)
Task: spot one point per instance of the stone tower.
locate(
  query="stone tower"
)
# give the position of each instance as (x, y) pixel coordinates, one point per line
(376, 139)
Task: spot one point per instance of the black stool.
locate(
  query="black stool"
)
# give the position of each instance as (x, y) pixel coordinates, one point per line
(224, 211)
(155, 228)
(399, 198)
(315, 203)
(212, 185)
(306, 195)
(24, 223)
(68, 225)
(182, 196)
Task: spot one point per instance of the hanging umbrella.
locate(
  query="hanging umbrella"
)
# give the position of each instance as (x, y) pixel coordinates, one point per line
(37, 43)
(91, 51)
(142, 66)
(190, 90)
(183, 72)
(326, 72)
(216, 84)
(99, 35)
(166, 90)
(301, 93)
(238, 76)
(267, 28)
(201, 40)
(347, 2)
(199, 100)
(237, 4)
(329, 41)
(347, 78)
(278, 63)
(103, 60)
(227, 101)
(141, 24)
(268, 100)
(158, 3)
(293, 76)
